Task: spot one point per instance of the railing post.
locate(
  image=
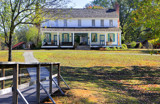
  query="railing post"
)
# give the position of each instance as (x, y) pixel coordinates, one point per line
(19, 77)
(3, 75)
(59, 74)
(38, 84)
(15, 84)
(50, 78)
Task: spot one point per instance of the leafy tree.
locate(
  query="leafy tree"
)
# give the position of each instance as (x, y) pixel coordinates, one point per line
(147, 15)
(16, 12)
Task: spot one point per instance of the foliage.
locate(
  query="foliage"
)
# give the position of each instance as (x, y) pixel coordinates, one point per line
(133, 44)
(32, 34)
(147, 15)
(114, 48)
(107, 48)
(124, 46)
(94, 7)
(140, 45)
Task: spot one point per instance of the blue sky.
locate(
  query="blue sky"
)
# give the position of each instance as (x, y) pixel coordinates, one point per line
(79, 3)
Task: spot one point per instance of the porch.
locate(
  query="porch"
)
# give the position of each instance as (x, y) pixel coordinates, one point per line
(72, 39)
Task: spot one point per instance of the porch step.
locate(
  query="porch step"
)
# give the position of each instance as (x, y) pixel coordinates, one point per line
(83, 48)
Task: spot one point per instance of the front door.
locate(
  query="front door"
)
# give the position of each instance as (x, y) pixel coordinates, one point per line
(81, 38)
(102, 40)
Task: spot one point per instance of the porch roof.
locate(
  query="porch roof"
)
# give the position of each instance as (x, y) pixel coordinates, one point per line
(83, 29)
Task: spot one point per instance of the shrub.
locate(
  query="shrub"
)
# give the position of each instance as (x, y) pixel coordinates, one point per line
(133, 44)
(118, 48)
(140, 45)
(124, 46)
(114, 48)
(107, 48)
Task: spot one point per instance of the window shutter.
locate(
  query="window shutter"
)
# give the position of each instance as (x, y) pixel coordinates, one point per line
(68, 37)
(62, 37)
(108, 37)
(96, 37)
(49, 37)
(113, 37)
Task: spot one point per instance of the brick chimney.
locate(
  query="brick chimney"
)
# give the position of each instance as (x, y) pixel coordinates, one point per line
(116, 7)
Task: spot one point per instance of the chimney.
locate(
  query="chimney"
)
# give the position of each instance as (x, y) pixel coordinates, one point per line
(116, 7)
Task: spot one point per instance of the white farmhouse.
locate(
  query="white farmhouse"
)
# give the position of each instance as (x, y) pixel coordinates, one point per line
(92, 28)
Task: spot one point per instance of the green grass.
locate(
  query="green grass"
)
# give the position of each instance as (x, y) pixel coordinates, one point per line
(16, 55)
(102, 77)
(97, 58)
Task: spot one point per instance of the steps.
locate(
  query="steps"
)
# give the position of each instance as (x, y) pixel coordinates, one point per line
(82, 48)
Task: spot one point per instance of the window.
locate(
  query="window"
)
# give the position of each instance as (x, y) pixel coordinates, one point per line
(65, 23)
(65, 37)
(102, 23)
(111, 37)
(94, 37)
(56, 23)
(93, 22)
(79, 23)
(48, 37)
(111, 23)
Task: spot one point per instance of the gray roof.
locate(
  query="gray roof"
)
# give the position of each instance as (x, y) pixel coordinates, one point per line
(84, 29)
(84, 13)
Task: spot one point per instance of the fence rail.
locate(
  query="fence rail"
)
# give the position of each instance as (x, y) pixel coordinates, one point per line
(16, 77)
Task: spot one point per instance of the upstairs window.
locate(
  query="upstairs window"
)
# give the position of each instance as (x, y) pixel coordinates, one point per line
(65, 23)
(79, 23)
(94, 37)
(102, 23)
(111, 23)
(56, 23)
(93, 23)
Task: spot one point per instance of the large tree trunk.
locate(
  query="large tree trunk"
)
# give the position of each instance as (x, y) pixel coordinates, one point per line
(10, 47)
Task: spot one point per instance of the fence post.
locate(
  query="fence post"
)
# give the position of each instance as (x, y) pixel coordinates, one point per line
(59, 74)
(3, 75)
(50, 78)
(38, 84)
(19, 81)
(15, 84)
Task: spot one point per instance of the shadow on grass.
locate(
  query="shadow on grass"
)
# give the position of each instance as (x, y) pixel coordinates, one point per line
(119, 79)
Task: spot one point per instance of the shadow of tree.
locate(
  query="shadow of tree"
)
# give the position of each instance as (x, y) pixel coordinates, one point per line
(122, 79)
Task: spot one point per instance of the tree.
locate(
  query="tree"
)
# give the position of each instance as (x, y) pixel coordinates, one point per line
(147, 15)
(16, 12)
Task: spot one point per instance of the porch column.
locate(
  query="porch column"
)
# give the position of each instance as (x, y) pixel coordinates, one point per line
(105, 39)
(90, 38)
(120, 41)
(57, 38)
(73, 39)
(42, 39)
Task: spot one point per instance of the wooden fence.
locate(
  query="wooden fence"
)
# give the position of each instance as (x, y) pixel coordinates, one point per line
(17, 77)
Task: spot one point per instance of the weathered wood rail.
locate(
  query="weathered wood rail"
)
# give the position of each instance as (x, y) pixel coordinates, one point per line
(17, 78)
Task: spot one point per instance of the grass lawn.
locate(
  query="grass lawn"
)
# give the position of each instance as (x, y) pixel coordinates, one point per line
(102, 77)
(16, 55)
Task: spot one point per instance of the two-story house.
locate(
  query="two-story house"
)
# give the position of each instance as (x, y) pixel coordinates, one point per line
(87, 27)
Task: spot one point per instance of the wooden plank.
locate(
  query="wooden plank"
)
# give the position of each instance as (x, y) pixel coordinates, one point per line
(38, 84)
(15, 84)
(2, 75)
(58, 75)
(50, 78)
(19, 80)
(10, 77)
